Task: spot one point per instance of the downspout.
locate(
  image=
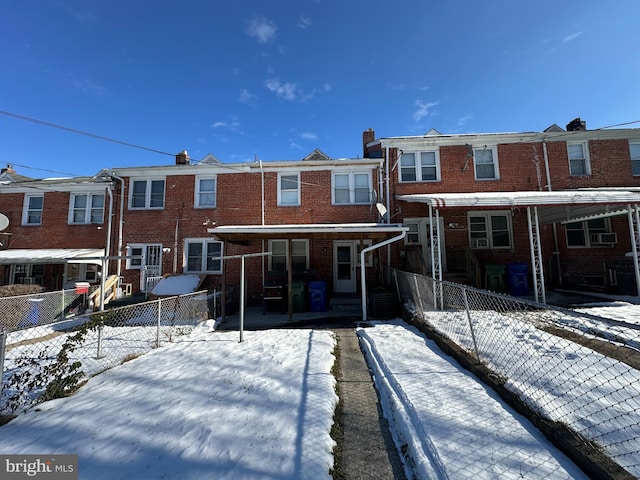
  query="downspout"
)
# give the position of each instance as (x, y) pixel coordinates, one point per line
(107, 250)
(264, 273)
(556, 249)
(363, 279)
(388, 202)
(120, 222)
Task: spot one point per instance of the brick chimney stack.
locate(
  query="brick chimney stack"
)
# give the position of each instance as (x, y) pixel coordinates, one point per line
(368, 136)
(577, 125)
(182, 158)
(9, 169)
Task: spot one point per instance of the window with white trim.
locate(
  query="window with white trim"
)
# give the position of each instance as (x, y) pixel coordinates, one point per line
(634, 151)
(32, 209)
(299, 255)
(485, 161)
(288, 189)
(203, 256)
(205, 192)
(147, 194)
(368, 257)
(86, 208)
(578, 159)
(351, 188)
(590, 233)
(420, 166)
(489, 230)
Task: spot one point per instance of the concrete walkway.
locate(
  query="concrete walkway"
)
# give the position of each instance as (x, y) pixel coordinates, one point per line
(368, 451)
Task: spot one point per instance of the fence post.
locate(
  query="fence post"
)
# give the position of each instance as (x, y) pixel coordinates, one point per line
(158, 327)
(3, 343)
(419, 298)
(99, 350)
(473, 335)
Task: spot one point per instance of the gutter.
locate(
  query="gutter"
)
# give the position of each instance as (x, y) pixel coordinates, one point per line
(363, 279)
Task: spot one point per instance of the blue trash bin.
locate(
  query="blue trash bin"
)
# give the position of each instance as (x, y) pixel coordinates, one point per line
(318, 296)
(518, 279)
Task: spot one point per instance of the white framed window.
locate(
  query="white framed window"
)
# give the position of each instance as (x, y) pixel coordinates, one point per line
(86, 208)
(202, 255)
(351, 188)
(288, 189)
(368, 258)
(590, 233)
(490, 230)
(420, 166)
(205, 192)
(485, 161)
(299, 255)
(81, 272)
(634, 151)
(27, 273)
(146, 256)
(578, 159)
(146, 194)
(32, 209)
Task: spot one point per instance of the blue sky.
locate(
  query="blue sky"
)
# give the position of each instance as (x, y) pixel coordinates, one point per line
(274, 80)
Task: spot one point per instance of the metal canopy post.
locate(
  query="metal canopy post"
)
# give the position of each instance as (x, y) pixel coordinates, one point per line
(242, 289)
(536, 254)
(436, 254)
(634, 230)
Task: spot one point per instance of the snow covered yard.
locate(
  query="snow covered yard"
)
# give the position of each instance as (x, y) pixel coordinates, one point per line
(446, 423)
(203, 407)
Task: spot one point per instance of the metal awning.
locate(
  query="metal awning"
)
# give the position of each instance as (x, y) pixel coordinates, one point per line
(328, 231)
(546, 207)
(555, 206)
(51, 255)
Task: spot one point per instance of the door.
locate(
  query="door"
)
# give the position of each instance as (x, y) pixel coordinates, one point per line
(419, 235)
(344, 266)
(149, 261)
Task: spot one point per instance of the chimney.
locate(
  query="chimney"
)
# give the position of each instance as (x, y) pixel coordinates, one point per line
(182, 158)
(9, 169)
(368, 136)
(577, 125)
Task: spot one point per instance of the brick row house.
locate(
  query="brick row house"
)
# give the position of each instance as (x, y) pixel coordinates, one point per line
(563, 204)
(463, 207)
(316, 214)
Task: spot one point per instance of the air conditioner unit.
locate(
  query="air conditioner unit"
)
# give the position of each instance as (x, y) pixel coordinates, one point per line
(479, 242)
(603, 238)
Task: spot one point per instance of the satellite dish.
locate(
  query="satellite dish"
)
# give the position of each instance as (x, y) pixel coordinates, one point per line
(4, 222)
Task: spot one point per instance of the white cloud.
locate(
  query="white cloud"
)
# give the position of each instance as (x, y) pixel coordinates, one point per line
(86, 13)
(262, 29)
(304, 22)
(247, 97)
(572, 37)
(464, 119)
(327, 87)
(232, 125)
(422, 109)
(287, 91)
(88, 86)
(309, 136)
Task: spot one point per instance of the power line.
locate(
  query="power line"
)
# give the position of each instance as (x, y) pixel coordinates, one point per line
(81, 132)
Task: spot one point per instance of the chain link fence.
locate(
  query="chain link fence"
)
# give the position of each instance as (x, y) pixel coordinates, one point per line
(50, 352)
(574, 370)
